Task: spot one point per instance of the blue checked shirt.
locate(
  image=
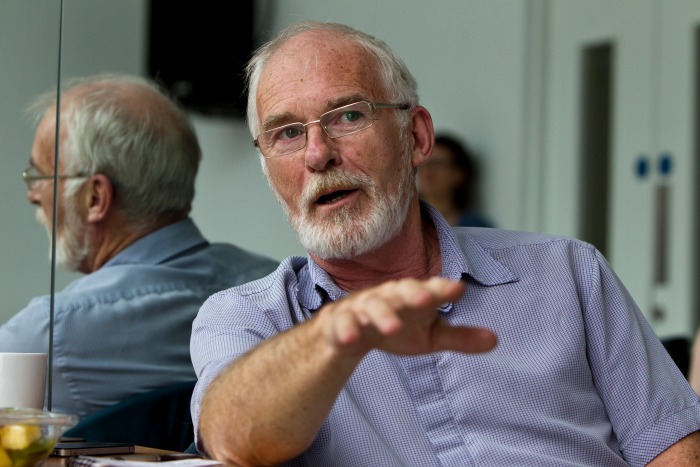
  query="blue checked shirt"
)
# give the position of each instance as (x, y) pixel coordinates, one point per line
(578, 376)
(125, 328)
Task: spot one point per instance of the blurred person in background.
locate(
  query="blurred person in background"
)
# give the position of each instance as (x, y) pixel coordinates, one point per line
(127, 166)
(448, 181)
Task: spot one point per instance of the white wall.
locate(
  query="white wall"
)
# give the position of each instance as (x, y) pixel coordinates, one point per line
(469, 57)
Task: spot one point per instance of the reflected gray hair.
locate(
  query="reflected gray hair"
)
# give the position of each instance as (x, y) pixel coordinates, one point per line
(399, 84)
(126, 128)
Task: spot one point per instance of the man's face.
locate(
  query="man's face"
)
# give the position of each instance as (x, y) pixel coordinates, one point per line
(71, 239)
(345, 196)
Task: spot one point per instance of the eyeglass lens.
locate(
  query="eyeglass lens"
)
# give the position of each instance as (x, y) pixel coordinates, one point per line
(31, 175)
(338, 122)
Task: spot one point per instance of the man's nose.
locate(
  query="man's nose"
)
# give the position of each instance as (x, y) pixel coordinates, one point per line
(320, 152)
(33, 194)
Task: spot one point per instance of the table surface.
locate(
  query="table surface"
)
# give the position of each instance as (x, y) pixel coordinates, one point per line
(140, 452)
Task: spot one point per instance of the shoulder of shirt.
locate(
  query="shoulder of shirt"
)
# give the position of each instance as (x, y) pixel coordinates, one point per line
(493, 239)
(226, 265)
(284, 277)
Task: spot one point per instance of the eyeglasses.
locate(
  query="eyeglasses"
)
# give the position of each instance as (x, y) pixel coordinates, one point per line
(31, 175)
(342, 121)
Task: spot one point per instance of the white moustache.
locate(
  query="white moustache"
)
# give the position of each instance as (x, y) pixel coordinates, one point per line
(41, 218)
(333, 180)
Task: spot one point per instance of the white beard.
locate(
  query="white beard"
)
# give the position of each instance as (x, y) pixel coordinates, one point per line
(347, 233)
(72, 245)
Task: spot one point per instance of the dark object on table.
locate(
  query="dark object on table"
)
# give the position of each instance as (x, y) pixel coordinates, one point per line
(157, 419)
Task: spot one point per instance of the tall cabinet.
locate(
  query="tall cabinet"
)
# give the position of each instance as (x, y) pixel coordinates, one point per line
(622, 144)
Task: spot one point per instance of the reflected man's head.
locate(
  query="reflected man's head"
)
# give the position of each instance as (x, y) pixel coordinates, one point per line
(125, 143)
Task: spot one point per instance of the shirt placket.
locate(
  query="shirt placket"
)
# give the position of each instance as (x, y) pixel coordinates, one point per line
(434, 410)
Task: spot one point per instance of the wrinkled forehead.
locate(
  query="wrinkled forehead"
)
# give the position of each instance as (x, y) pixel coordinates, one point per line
(314, 61)
(43, 145)
(317, 48)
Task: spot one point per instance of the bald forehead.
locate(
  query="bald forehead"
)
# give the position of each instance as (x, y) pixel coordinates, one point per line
(134, 99)
(316, 50)
(332, 41)
(332, 61)
(127, 93)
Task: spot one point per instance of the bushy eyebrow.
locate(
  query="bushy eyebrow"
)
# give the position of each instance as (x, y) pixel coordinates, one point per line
(345, 100)
(273, 121)
(33, 165)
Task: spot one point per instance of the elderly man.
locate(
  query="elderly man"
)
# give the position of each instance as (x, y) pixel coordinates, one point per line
(127, 167)
(370, 351)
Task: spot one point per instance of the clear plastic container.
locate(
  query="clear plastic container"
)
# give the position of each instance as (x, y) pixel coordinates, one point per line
(27, 436)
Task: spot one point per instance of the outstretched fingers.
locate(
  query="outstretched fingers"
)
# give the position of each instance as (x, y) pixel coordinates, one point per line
(402, 317)
(361, 319)
(463, 339)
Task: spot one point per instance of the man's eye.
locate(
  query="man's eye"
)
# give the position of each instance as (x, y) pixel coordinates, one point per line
(350, 116)
(287, 133)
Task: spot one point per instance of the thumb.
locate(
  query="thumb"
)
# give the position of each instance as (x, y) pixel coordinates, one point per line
(463, 339)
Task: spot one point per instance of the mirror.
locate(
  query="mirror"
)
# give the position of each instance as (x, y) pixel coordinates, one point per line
(108, 35)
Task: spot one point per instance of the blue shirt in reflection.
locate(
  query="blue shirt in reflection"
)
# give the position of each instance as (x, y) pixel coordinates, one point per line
(125, 328)
(578, 376)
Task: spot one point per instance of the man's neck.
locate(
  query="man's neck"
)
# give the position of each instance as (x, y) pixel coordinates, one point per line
(110, 240)
(415, 252)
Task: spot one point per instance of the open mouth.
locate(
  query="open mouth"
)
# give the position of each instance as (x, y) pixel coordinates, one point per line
(333, 197)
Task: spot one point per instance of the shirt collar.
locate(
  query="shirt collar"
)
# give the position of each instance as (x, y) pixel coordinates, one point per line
(316, 287)
(161, 245)
(461, 256)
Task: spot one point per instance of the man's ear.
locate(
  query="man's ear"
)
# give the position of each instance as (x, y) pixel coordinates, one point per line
(100, 198)
(423, 136)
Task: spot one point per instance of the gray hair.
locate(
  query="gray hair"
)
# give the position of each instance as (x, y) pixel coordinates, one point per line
(399, 83)
(126, 128)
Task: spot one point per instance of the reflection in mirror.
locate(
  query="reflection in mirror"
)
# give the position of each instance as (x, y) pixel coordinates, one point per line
(28, 53)
(226, 265)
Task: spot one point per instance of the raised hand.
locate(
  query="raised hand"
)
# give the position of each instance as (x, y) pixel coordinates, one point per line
(401, 317)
